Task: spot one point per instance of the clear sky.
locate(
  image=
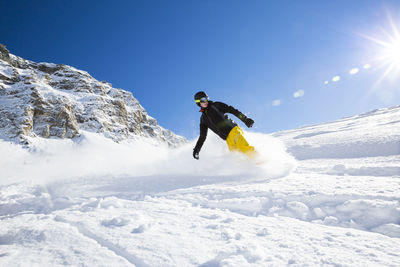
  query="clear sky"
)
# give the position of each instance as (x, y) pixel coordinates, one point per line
(285, 63)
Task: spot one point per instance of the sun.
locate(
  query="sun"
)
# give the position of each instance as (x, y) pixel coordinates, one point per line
(389, 54)
(392, 53)
(386, 50)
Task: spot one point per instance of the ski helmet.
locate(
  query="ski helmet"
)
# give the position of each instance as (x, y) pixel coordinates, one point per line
(200, 96)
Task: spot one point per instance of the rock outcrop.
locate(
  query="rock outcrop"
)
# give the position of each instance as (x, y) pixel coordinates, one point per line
(58, 101)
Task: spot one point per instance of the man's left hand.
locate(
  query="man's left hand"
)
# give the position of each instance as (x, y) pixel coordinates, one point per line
(249, 122)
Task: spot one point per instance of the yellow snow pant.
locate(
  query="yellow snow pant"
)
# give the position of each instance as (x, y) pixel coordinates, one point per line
(236, 142)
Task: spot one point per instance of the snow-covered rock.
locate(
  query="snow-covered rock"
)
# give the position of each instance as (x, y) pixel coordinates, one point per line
(49, 100)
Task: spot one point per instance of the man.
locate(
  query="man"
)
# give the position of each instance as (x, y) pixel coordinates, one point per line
(213, 117)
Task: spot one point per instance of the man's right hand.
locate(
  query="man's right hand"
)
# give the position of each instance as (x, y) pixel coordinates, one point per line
(195, 154)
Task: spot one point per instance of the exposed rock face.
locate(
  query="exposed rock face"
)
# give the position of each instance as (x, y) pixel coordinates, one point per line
(49, 100)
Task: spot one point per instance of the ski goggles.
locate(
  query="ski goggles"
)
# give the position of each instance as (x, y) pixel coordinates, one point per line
(202, 100)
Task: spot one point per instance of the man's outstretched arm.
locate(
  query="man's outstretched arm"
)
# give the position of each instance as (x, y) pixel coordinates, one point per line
(229, 109)
(200, 141)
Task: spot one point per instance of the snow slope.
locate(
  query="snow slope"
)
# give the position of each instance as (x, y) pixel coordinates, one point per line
(375, 133)
(332, 200)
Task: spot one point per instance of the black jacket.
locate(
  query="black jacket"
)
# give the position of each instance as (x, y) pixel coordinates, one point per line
(214, 117)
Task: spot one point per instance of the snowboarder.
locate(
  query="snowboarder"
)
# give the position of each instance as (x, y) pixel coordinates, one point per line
(213, 116)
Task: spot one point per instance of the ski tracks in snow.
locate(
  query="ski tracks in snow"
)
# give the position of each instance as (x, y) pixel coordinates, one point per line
(104, 242)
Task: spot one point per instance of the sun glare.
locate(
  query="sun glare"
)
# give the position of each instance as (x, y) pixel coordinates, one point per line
(387, 50)
(389, 54)
(393, 52)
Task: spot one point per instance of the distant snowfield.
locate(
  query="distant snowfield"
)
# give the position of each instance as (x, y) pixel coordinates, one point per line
(327, 195)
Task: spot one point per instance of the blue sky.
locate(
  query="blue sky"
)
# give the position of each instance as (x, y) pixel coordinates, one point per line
(245, 53)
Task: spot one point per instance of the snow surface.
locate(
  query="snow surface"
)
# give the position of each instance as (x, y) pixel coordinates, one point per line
(332, 201)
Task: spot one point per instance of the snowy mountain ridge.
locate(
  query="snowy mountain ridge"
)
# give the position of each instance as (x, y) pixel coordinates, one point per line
(48, 100)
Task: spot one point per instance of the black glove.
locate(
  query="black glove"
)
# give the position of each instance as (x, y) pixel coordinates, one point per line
(249, 122)
(195, 153)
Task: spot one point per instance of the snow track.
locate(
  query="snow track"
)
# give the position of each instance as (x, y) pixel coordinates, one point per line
(105, 243)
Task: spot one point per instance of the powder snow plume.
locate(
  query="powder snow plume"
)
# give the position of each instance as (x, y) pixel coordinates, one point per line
(93, 155)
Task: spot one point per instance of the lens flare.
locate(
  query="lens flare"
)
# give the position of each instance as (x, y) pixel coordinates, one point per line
(276, 102)
(299, 93)
(354, 71)
(367, 66)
